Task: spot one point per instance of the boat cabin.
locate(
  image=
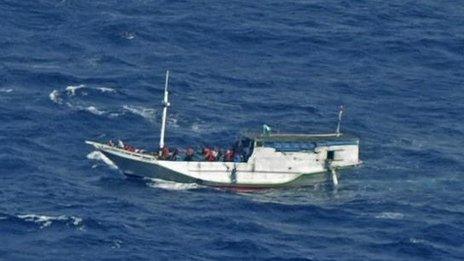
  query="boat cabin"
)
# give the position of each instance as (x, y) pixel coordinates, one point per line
(337, 149)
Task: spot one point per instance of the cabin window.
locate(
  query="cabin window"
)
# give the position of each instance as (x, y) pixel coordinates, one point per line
(283, 146)
(330, 155)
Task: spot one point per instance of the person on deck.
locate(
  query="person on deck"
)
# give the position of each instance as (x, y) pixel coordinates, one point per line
(129, 148)
(219, 154)
(246, 153)
(214, 154)
(189, 154)
(165, 153)
(209, 154)
(205, 152)
(174, 155)
(237, 157)
(229, 156)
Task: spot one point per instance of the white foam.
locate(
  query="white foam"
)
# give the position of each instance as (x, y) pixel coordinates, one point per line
(55, 97)
(94, 110)
(106, 89)
(197, 128)
(390, 215)
(71, 89)
(146, 113)
(97, 155)
(116, 243)
(172, 122)
(418, 241)
(46, 221)
(113, 115)
(128, 35)
(5, 90)
(171, 185)
(201, 128)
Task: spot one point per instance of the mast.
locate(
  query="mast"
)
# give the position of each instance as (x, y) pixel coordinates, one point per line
(340, 113)
(165, 112)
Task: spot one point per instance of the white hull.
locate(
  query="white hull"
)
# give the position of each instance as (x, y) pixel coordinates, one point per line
(265, 168)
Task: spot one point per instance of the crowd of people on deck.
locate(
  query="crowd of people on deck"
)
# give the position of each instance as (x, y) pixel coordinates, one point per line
(205, 154)
(237, 153)
(127, 147)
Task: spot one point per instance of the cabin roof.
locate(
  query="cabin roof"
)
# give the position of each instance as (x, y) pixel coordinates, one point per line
(288, 137)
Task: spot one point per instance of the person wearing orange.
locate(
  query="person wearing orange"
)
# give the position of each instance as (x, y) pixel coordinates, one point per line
(209, 154)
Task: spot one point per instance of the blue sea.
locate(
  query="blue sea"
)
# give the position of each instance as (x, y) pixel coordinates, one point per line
(76, 70)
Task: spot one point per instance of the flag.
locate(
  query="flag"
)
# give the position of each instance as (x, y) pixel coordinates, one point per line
(266, 129)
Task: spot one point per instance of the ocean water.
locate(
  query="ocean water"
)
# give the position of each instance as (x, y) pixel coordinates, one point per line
(75, 70)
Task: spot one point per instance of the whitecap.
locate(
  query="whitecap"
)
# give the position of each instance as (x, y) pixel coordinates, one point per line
(46, 221)
(390, 215)
(94, 110)
(55, 97)
(71, 89)
(172, 122)
(171, 185)
(97, 155)
(116, 243)
(113, 115)
(128, 35)
(106, 89)
(201, 128)
(197, 128)
(146, 113)
(5, 90)
(417, 241)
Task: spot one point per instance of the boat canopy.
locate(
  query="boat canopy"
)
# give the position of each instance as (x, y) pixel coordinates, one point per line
(301, 142)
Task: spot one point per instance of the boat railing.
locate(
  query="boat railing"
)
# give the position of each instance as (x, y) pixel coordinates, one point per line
(145, 156)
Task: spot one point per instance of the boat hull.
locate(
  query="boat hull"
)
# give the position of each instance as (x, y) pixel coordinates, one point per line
(142, 169)
(221, 174)
(132, 168)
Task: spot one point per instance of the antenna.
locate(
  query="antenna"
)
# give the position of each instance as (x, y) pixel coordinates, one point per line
(340, 113)
(166, 104)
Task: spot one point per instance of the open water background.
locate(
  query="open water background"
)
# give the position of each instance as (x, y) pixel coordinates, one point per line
(75, 70)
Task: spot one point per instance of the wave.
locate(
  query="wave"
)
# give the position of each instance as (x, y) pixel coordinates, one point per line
(98, 156)
(6, 90)
(59, 97)
(94, 110)
(106, 89)
(46, 221)
(91, 109)
(146, 113)
(390, 215)
(172, 122)
(71, 89)
(197, 128)
(55, 97)
(171, 185)
(202, 128)
(128, 35)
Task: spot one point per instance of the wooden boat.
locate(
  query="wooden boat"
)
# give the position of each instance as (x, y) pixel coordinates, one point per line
(261, 160)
